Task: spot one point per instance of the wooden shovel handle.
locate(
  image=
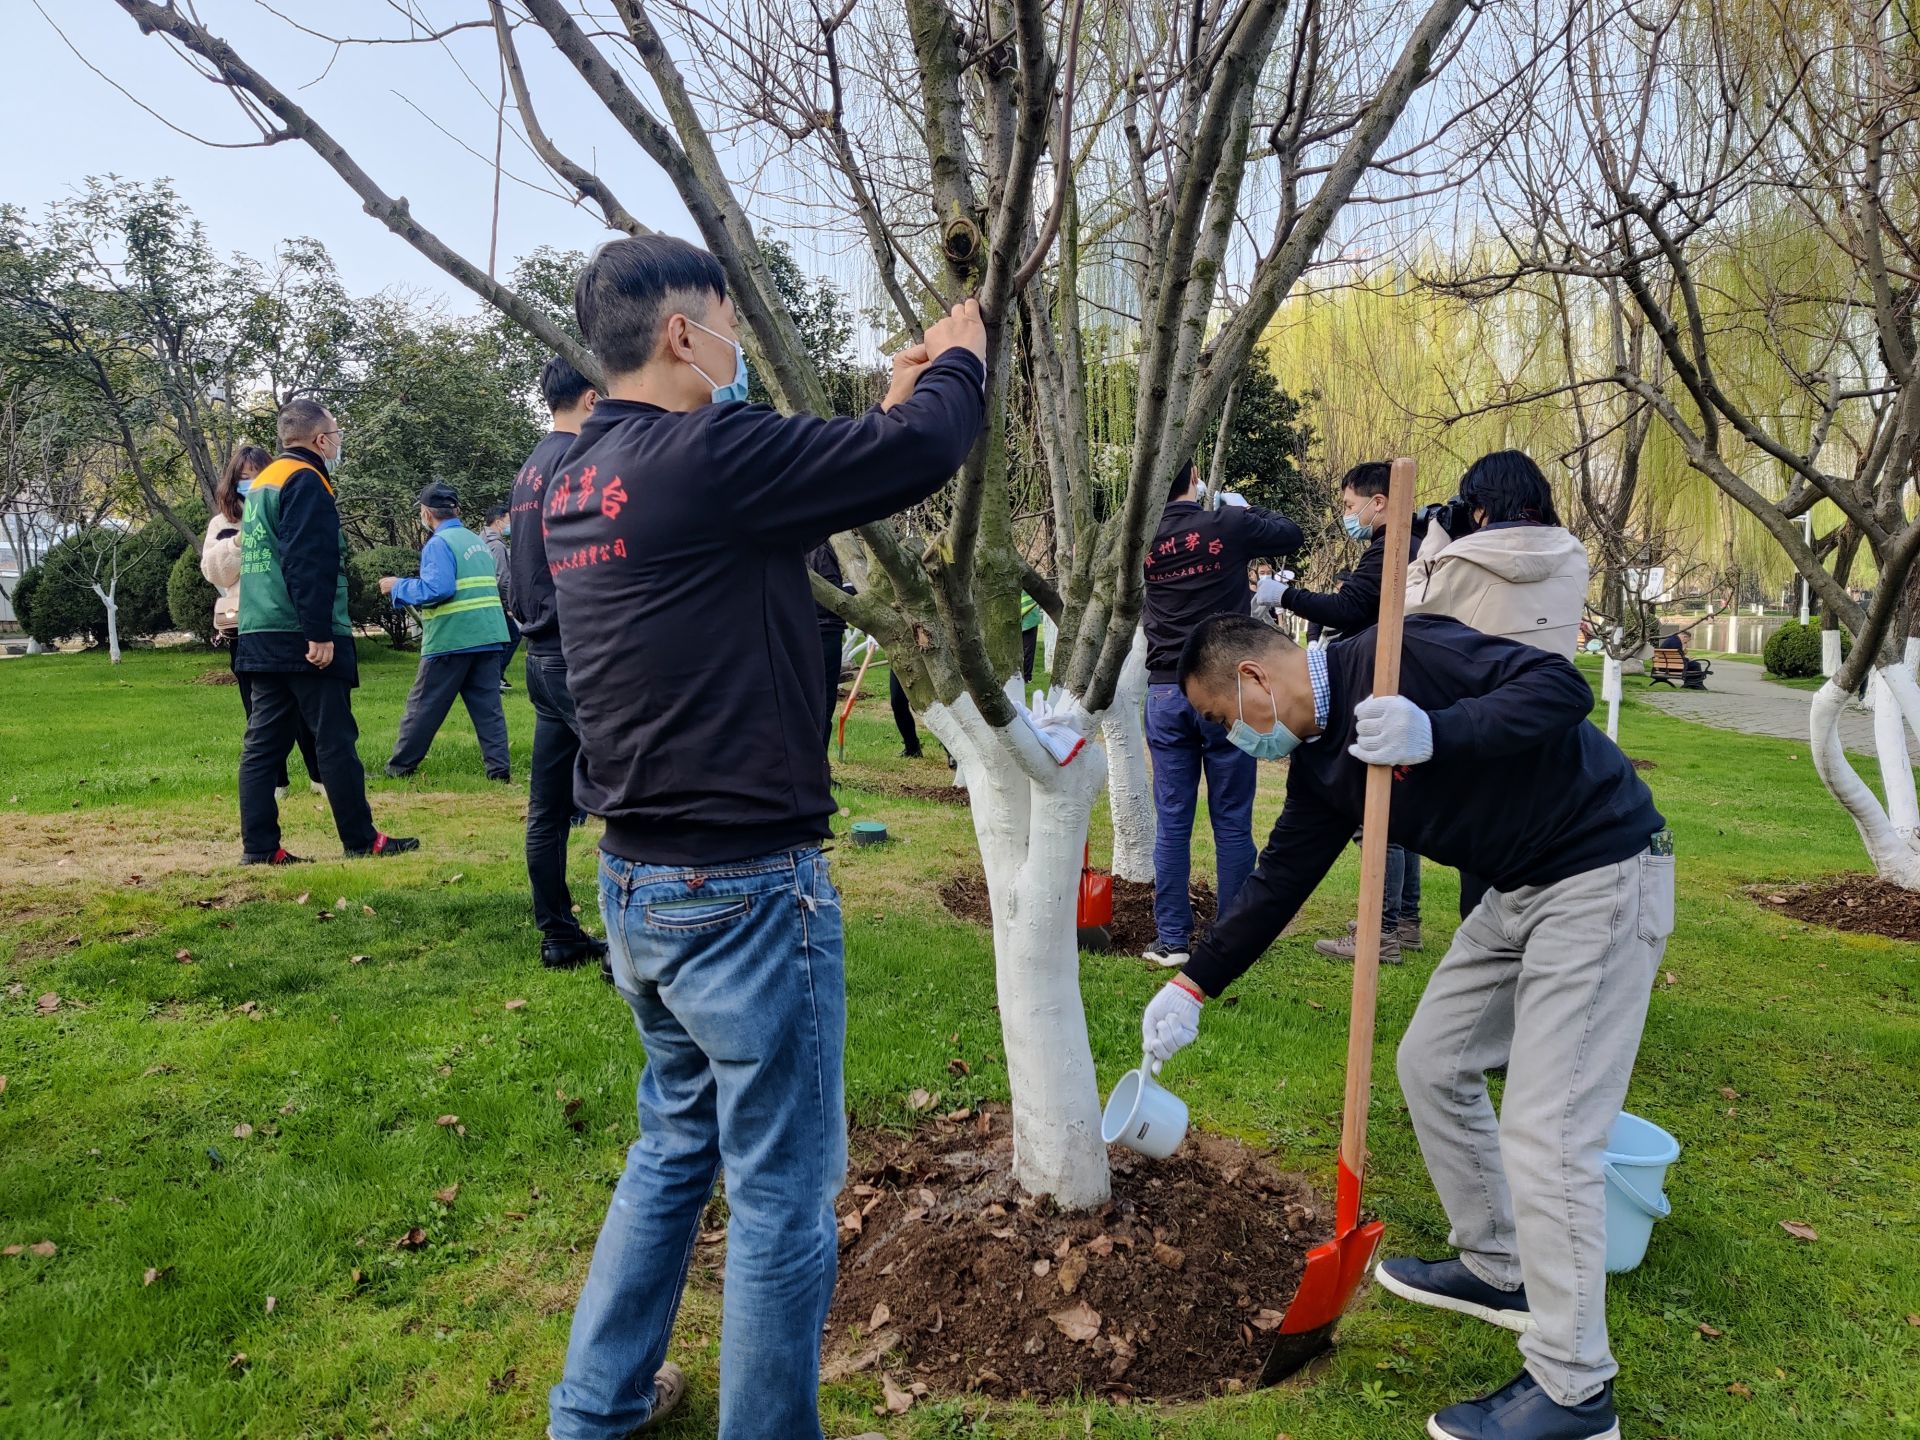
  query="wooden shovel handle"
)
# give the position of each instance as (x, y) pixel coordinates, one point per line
(1373, 824)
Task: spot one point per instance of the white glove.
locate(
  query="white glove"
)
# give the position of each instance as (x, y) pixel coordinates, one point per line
(1171, 1023)
(1228, 497)
(1270, 591)
(1391, 730)
(1055, 730)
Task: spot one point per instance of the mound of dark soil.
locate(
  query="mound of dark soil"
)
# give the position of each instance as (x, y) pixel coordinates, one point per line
(1848, 902)
(216, 677)
(951, 1278)
(1132, 930)
(1640, 764)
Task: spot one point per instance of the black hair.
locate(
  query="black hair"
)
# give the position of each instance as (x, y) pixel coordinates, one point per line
(1509, 486)
(496, 512)
(1368, 478)
(1183, 480)
(300, 421)
(628, 289)
(561, 386)
(1223, 641)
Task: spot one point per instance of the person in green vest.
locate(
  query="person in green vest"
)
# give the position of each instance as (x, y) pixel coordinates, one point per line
(463, 637)
(294, 647)
(1030, 618)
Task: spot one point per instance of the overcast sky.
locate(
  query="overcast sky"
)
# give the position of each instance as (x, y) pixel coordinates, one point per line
(62, 122)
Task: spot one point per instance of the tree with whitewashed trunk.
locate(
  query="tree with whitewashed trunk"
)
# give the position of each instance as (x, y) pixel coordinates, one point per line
(1050, 160)
(1747, 187)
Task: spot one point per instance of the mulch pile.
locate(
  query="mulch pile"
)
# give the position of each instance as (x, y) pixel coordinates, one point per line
(1132, 930)
(1848, 902)
(1640, 764)
(953, 1279)
(216, 677)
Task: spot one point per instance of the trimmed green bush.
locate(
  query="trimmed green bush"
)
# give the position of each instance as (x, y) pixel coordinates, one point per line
(63, 603)
(190, 598)
(367, 605)
(1793, 651)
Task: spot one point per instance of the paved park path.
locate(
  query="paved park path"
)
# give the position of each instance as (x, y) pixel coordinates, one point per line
(1740, 697)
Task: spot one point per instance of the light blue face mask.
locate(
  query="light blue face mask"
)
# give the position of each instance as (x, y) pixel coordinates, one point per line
(1275, 744)
(1355, 527)
(737, 389)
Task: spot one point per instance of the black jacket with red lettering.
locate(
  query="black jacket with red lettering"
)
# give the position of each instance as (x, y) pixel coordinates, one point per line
(678, 543)
(530, 593)
(1197, 568)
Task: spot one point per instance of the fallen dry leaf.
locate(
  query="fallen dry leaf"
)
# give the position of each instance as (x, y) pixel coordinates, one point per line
(1171, 1256)
(358, 959)
(242, 1131)
(1060, 1250)
(303, 897)
(1315, 1005)
(239, 1361)
(1709, 1331)
(516, 1005)
(271, 1303)
(45, 1249)
(448, 1195)
(1072, 1270)
(288, 1108)
(341, 903)
(1727, 1092)
(12, 1250)
(48, 1003)
(150, 1276)
(366, 910)
(896, 1400)
(1041, 1268)
(1913, 1319)
(957, 1066)
(918, 1100)
(448, 1120)
(881, 1314)
(185, 957)
(414, 1239)
(1800, 1230)
(1078, 1322)
(1100, 1245)
(453, 879)
(1743, 1391)
(851, 1222)
(3, 1084)
(1267, 1319)
(1671, 978)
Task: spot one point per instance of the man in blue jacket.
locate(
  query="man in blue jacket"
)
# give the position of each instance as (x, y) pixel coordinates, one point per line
(463, 637)
(677, 534)
(1496, 770)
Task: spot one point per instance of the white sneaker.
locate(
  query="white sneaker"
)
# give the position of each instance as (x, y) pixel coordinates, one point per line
(280, 792)
(1165, 956)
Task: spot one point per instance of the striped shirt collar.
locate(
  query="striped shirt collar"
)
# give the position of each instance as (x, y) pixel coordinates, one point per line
(1322, 687)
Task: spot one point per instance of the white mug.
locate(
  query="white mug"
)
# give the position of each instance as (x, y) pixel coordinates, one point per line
(1143, 1116)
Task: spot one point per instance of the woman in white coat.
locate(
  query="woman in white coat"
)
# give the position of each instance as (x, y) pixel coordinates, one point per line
(1513, 571)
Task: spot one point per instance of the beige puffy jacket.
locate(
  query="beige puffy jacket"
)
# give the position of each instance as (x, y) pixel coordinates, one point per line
(1526, 582)
(220, 565)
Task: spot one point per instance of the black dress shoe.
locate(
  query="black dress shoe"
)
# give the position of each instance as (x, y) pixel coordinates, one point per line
(567, 954)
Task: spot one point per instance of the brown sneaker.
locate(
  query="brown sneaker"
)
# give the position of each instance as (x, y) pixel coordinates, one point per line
(1342, 949)
(669, 1389)
(1410, 936)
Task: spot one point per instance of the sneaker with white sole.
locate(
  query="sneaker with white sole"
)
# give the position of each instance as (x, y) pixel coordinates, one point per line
(1167, 957)
(1409, 933)
(1522, 1410)
(1343, 948)
(1449, 1285)
(669, 1389)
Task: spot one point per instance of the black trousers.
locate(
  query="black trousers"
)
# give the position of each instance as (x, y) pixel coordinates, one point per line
(282, 704)
(1472, 887)
(473, 677)
(1028, 641)
(513, 645)
(550, 805)
(831, 642)
(902, 714)
(303, 737)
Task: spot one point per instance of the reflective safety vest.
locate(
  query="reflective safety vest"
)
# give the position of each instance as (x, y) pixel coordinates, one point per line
(473, 617)
(265, 605)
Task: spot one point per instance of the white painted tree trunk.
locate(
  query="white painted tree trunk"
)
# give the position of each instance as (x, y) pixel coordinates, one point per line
(1890, 832)
(34, 647)
(113, 620)
(1030, 818)
(1610, 692)
(1829, 653)
(1129, 785)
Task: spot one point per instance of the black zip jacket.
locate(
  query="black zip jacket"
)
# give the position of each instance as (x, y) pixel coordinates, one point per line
(1356, 604)
(1197, 568)
(1520, 789)
(309, 539)
(530, 586)
(678, 544)
(823, 562)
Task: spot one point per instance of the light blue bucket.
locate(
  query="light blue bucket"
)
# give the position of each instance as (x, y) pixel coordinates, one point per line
(1638, 1154)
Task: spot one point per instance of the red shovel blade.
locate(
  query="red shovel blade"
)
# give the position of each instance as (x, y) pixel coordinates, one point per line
(1334, 1271)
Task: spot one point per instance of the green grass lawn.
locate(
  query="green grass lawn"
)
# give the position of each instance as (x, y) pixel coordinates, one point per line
(1784, 1058)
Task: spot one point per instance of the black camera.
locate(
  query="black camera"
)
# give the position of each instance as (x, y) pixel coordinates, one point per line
(1454, 516)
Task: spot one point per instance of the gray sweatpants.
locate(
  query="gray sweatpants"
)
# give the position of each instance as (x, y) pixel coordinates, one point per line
(1552, 982)
(472, 676)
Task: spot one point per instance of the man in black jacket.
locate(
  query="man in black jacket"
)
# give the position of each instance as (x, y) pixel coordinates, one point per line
(833, 632)
(1497, 771)
(1197, 567)
(556, 734)
(295, 642)
(677, 534)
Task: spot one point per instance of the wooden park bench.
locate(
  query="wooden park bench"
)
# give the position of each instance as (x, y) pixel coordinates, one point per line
(1672, 667)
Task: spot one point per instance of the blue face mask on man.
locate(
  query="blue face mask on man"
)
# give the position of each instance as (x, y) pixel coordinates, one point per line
(737, 388)
(1356, 527)
(1274, 744)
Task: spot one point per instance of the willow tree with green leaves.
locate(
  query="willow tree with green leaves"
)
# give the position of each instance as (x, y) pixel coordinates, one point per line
(1196, 157)
(1741, 183)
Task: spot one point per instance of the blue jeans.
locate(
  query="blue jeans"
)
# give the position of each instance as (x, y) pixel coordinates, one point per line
(737, 983)
(1184, 746)
(1402, 902)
